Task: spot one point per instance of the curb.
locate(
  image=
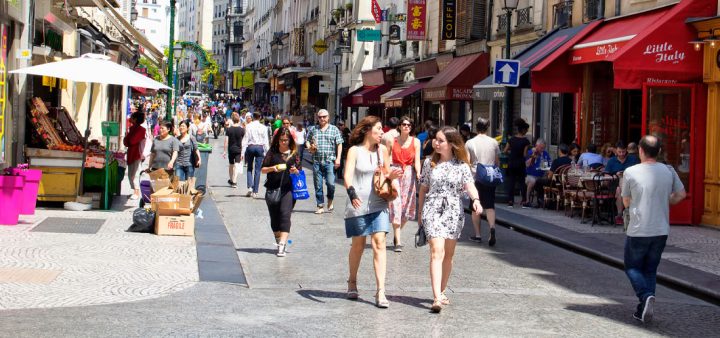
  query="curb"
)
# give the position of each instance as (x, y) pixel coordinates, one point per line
(694, 288)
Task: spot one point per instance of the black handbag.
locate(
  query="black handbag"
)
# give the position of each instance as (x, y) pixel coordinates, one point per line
(420, 237)
(273, 196)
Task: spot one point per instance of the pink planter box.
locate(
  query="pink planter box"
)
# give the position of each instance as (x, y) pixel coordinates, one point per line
(11, 188)
(30, 191)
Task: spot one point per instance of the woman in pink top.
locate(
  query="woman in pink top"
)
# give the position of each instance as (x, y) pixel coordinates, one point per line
(406, 156)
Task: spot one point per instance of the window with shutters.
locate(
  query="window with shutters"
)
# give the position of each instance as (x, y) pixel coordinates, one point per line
(562, 14)
(464, 12)
(479, 18)
(591, 10)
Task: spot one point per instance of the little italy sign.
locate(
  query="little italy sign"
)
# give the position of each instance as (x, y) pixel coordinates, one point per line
(664, 52)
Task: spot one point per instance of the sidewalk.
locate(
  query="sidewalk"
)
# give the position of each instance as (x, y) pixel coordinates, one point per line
(60, 258)
(691, 260)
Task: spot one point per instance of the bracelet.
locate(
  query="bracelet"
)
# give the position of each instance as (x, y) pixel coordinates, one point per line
(351, 193)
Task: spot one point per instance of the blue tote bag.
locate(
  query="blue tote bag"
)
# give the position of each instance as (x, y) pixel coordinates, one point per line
(300, 191)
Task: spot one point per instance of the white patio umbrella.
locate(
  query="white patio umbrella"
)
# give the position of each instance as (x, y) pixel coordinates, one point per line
(92, 68)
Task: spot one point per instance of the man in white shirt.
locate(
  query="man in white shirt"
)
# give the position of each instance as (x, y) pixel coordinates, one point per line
(590, 158)
(648, 190)
(254, 145)
(484, 150)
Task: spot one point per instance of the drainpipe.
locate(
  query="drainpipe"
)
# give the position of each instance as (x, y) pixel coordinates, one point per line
(19, 119)
(602, 9)
(488, 23)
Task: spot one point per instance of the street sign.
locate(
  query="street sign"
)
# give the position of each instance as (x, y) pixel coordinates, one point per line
(369, 35)
(507, 73)
(274, 99)
(320, 46)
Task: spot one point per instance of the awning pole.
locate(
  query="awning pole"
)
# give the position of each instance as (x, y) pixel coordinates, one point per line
(81, 190)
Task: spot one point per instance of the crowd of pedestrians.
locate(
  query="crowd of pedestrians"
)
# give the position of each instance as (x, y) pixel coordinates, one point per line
(430, 169)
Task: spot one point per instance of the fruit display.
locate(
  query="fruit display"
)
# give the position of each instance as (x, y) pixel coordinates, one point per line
(47, 130)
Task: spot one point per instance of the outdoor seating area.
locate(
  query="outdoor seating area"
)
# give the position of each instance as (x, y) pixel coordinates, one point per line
(592, 193)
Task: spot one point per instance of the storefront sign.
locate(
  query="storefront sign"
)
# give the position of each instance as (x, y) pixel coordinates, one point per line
(461, 94)
(664, 53)
(448, 20)
(434, 94)
(3, 87)
(394, 37)
(417, 22)
(369, 35)
(595, 53)
(320, 47)
(304, 90)
(376, 11)
(243, 79)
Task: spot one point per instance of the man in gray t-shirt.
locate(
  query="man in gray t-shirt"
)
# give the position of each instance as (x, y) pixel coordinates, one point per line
(648, 190)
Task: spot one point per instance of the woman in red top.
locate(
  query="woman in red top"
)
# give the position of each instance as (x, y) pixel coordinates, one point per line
(406, 156)
(133, 141)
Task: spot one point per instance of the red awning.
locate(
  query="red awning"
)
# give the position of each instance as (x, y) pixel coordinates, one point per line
(456, 81)
(649, 47)
(398, 100)
(140, 90)
(365, 96)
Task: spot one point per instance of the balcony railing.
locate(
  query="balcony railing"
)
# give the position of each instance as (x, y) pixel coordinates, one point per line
(502, 24)
(591, 10)
(524, 17)
(562, 14)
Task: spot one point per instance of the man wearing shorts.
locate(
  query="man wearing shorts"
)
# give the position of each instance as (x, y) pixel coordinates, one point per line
(233, 148)
(484, 150)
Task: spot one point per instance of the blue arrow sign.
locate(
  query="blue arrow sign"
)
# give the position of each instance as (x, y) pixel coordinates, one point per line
(507, 73)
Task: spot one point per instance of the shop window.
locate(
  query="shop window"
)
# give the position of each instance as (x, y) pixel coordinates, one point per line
(668, 118)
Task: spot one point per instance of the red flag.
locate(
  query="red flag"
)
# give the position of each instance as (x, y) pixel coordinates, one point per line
(376, 11)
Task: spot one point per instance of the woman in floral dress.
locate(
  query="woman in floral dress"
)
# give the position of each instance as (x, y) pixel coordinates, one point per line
(445, 176)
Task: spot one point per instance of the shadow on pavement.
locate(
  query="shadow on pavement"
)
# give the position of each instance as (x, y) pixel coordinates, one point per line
(257, 250)
(421, 303)
(313, 295)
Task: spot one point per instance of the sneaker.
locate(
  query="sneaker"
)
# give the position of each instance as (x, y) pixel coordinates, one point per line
(249, 193)
(398, 248)
(526, 205)
(134, 197)
(510, 204)
(230, 182)
(253, 195)
(319, 210)
(491, 242)
(476, 239)
(234, 186)
(281, 250)
(647, 313)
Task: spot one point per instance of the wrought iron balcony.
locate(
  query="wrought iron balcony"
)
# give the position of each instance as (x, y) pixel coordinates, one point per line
(591, 10)
(502, 24)
(524, 17)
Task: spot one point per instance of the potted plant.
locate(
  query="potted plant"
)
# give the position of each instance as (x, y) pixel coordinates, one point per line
(349, 7)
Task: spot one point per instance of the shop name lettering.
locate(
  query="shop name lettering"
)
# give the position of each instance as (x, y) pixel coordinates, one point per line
(462, 93)
(606, 49)
(664, 52)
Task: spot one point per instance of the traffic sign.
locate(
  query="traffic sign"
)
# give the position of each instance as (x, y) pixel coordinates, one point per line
(274, 99)
(507, 73)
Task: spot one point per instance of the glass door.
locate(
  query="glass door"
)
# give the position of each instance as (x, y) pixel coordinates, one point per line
(667, 114)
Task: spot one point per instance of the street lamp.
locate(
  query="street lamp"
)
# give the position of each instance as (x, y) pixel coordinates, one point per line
(171, 46)
(337, 59)
(177, 53)
(508, 6)
(332, 25)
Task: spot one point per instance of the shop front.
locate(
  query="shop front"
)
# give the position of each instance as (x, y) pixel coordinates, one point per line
(408, 102)
(637, 75)
(450, 92)
(711, 76)
(366, 100)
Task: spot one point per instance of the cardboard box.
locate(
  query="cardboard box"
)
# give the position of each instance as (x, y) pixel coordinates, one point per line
(169, 204)
(175, 225)
(158, 174)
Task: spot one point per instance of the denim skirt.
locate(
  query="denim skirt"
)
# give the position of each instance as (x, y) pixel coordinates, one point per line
(366, 225)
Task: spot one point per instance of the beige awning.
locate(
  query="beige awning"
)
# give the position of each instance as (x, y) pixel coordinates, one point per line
(391, 93)
(130, 32)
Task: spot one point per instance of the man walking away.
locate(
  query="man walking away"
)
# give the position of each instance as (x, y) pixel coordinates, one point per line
(254, 145)
(484, 150)
(325, 143)
(648, 190)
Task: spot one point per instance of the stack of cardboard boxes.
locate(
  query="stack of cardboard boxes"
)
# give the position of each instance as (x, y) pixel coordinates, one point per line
(174, 204)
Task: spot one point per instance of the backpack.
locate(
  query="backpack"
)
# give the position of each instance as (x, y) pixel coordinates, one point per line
(488, 175)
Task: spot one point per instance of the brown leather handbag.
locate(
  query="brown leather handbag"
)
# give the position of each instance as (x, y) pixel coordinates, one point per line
(383, 185)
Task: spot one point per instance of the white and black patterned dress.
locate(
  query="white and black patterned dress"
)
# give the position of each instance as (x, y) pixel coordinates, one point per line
(442, 213)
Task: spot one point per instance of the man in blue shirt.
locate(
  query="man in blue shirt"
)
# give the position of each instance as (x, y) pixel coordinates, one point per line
(590, 158)
(617, 165)
(537, 161)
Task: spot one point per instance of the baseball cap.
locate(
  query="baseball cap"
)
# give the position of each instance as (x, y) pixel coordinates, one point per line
(323, 112)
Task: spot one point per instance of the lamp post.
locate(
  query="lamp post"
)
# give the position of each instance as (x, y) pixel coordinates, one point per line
(171, 47)
(177, 53)
(337, 59)
(509, 6)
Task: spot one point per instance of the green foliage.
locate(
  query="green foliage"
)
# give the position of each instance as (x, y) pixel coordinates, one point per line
(211, 69)
(152, 70)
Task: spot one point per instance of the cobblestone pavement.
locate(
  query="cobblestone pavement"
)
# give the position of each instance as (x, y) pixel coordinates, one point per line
(694, 246)
(520, 287)
(44, 269)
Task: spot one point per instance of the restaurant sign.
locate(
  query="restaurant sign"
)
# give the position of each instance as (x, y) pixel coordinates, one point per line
(417, 13)
(449, 19)
(602, 52)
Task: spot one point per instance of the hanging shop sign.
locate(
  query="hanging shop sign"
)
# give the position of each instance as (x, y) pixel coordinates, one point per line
(394, 36)
(243, 79)
(376, 11)
(417, 19)
(320, 47)
(449, 19)
(369, 35)
(304, 91)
